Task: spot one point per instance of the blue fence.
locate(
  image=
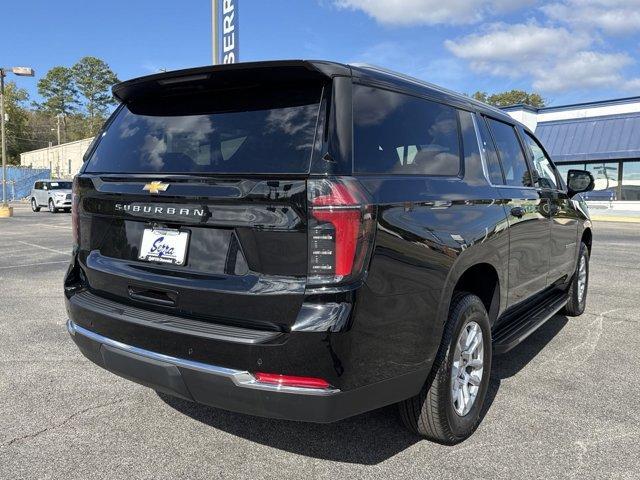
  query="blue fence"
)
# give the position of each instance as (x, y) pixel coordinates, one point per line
(20, 180)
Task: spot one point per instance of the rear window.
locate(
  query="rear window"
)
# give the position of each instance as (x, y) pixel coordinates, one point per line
(60, 185)
(401, 134)
(236, 131)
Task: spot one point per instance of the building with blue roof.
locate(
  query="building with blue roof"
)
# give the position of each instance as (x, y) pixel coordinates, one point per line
(602, 137)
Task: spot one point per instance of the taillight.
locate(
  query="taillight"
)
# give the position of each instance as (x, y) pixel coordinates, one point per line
(341, 229)
(290, 380)
(75, 224)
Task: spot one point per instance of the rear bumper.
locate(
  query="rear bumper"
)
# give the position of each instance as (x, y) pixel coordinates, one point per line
(236, 390)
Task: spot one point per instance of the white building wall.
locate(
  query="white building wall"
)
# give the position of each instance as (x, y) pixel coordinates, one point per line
(570, 112)
(526, 117)
(64, 160)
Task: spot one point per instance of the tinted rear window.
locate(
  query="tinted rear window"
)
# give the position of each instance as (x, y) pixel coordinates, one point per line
(236, 131)
(401, 134)
(490, 154)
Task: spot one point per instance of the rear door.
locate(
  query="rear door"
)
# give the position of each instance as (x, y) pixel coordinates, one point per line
(42, 193)
(528, 216)
(197, 204)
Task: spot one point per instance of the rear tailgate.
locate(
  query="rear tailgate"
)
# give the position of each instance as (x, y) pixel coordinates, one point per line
(246, 253)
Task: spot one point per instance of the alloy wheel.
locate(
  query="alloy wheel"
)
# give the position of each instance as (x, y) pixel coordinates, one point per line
(467, 368)
(582, 278)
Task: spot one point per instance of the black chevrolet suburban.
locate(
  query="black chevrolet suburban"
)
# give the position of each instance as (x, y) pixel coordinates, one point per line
(308, 240)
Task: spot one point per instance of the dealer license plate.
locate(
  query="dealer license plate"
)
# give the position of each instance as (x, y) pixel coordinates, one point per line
(164, 246)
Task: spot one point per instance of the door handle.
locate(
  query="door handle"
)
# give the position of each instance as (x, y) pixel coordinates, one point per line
(517, 212)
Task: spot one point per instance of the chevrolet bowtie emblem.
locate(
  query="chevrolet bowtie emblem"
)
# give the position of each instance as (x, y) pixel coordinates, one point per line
(155, 187)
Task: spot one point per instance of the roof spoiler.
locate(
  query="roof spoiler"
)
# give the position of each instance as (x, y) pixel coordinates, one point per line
(227, 76)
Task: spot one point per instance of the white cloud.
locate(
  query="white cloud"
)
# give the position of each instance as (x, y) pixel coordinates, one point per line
(584, 70)
(515, 43)
(615, 17)
(553, 58)
(431, 12)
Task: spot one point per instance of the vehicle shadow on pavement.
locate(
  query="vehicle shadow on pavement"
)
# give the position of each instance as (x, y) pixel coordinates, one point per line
(366, 439)
(510, 363)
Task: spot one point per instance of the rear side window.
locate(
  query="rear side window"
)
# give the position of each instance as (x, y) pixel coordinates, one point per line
(514, 164)
(490, 155)
(238, 131)
(401, 134)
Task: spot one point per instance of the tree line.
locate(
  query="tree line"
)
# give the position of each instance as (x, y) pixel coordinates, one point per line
(74, 101)
(512, 97)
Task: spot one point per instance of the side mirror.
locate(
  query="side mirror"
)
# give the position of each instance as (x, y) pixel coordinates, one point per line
(579, 181)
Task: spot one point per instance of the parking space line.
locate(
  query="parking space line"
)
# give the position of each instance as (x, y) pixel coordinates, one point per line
(52, 226)
(44, 248)
(33, 264)
(12, 250)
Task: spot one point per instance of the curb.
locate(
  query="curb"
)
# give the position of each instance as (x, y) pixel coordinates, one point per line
(613, 218)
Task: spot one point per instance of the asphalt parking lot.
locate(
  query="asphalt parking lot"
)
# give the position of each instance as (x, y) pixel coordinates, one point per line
(562, 405)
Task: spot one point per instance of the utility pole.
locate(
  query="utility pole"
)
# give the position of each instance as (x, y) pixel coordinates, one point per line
(58, 119)
(5, 209)
(49, 159)
(5, 205)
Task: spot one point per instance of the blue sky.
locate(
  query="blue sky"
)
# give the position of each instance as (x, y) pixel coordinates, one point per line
(569, 50)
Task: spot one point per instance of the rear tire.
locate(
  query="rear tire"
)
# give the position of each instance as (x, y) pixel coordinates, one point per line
(577, 292)
(52, 207)
(34, 205)
(434, 413)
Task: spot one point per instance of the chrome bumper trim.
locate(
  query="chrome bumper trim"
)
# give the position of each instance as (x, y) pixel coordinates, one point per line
(241, 378)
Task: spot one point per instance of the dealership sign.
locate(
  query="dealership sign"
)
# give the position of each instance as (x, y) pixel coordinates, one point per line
(226, 18)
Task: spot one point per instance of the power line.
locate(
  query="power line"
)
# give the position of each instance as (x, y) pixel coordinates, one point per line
(27, 139)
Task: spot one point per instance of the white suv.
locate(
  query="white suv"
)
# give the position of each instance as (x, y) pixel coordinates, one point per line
(53, 194)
